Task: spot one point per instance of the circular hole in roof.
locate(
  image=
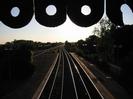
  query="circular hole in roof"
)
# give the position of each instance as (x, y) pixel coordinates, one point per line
(85, 10)
(51, 10)
(15, 11)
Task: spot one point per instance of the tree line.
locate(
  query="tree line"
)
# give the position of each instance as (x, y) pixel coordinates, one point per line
(27, 45)
(110, 48)
(16, 62)
(16, 58)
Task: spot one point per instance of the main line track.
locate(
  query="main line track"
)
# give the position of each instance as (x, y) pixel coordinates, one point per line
(68, 80)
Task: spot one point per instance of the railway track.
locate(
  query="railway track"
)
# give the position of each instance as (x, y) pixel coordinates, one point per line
(68, 80)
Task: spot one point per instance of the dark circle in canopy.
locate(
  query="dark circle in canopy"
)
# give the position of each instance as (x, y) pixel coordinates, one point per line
(24, 17)
(54, 20)
(74, 11)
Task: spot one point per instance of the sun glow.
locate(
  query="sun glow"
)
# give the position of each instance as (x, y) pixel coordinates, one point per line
(67, 31)
(34, 31)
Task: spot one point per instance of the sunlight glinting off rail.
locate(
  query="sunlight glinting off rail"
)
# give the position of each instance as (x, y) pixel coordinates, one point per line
(62, 76)
(55, 76)
(72, 75)
(80, 78)
(58, 72)
(44, 81)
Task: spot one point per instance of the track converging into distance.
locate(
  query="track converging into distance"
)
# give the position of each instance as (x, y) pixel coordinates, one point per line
(67, 80)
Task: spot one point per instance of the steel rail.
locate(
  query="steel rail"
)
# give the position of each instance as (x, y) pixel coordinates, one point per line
(42, 85)
(80, 77)
(54, 83)
(71, 74)
(62, 76)
(77, 60)
(46, 50)
(55, 77)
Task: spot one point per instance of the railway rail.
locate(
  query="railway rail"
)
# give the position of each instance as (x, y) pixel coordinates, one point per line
(67, 80)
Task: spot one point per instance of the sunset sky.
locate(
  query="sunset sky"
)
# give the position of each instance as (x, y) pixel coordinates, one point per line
(67, 31)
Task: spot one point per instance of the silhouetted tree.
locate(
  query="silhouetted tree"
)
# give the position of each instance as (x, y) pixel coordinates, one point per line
(92, 43)
(105, 45)
(80, 44)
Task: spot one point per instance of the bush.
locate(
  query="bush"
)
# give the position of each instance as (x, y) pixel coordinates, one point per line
(80, 52)
(15, 65)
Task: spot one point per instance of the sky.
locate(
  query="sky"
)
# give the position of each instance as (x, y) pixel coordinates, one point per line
(67, 31)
